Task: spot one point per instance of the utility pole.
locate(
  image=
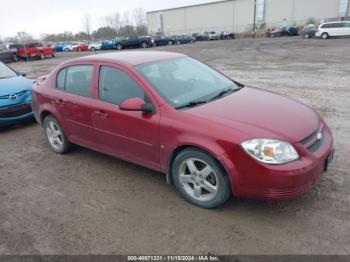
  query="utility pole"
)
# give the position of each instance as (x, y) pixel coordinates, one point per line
(254, 23)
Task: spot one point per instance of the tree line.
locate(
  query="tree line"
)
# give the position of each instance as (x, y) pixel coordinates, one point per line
(110, 26)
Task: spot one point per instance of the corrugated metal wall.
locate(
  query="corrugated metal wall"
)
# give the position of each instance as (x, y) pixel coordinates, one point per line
(237, 15)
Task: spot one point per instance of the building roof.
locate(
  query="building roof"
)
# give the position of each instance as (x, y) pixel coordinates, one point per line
(131, 57)
(187, 6)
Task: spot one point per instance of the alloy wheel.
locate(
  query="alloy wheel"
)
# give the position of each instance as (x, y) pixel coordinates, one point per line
(54, 135)
(198, 179)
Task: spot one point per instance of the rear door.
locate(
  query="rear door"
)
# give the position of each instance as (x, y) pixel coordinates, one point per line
(338, 29)
(130, 135)
(74, 102)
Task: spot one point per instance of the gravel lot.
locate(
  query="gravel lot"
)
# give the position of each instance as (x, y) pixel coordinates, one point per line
(89, 203)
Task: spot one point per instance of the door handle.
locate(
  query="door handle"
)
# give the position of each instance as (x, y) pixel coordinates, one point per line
(101, 113)
(61, 102)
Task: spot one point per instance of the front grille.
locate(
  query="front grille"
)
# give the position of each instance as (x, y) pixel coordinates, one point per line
(312, 143)
(286, 193)
(15, 111)
(17, 94)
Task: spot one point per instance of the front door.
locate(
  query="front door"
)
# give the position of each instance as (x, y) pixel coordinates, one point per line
(131, 135)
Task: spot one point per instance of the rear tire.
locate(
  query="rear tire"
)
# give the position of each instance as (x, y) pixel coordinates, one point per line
(119, 47)
(144, 45)
(200, 179)
(55, 136)
(42, 56)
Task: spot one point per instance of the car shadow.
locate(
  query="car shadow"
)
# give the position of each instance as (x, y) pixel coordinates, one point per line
(12, 127)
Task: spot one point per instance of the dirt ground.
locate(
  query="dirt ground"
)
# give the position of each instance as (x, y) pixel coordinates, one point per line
(89, 203)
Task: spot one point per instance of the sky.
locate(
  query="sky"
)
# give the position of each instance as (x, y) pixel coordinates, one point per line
(56, 16)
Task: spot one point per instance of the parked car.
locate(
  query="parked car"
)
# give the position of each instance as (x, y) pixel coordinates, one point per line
(211, 135)
(273, 32)
(69, 47)
(309, 31)
(290, 31)
(181, 39)
(36, 50)
(133, 41)
(8, 55)
(95, 46)
(210, 36)
(15, 96)
(198, 36)
(81, 47)
(333, 29)
(225, 36)
(160, 40)
(108, 45)
(59, 47)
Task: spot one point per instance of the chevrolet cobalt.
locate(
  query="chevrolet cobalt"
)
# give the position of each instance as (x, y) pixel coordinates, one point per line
(212, 136)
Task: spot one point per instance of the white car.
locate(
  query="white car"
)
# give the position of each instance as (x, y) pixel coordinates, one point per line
(70, 47)
(211, 36)
(95, 46)
(330, 29)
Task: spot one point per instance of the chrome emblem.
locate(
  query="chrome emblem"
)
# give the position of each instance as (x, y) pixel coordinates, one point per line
(13, 97)
(319, 136)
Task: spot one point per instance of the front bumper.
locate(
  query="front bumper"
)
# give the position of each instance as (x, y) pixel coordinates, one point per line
(15, 113)
(252, 179)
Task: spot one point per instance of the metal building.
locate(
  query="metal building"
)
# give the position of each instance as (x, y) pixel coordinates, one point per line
(238, 15)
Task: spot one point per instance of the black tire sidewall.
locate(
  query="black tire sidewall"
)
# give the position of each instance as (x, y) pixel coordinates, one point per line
(66, 144)
(223, 181)
(15, 58)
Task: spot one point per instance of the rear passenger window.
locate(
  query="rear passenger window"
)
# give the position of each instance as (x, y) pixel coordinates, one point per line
(61, 79)
(75, 79)
(115, 86)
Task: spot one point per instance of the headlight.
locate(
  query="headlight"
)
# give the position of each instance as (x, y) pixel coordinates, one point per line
(270, 151)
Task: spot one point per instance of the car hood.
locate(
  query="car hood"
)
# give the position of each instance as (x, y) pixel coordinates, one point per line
(261, 114)
(14, 85)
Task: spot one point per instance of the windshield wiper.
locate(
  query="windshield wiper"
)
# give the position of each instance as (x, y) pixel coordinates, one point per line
(192, 103)
(223, 93)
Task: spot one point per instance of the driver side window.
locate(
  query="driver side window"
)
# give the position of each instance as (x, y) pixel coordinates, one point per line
(115, 86)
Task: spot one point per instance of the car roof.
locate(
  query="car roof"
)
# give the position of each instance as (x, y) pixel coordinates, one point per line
(131, 57)
(333, 22)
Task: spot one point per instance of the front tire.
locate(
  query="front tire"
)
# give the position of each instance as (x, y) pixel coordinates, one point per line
(15, 57)
(144, 45)
(307, 36)
(200, 179)
(119, 47)
(42, 56)
(325, 36)
(55, 136)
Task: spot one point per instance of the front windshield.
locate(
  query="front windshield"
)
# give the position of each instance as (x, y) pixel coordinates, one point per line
(6, 72)
(184, 81)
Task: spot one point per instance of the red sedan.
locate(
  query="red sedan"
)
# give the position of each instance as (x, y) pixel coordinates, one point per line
(81, 47)
(212, 136)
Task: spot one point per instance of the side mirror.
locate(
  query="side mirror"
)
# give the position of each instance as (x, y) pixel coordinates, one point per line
(21, 73)
(136, 104)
